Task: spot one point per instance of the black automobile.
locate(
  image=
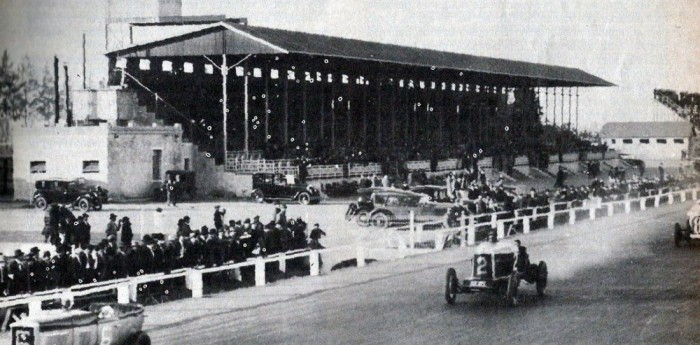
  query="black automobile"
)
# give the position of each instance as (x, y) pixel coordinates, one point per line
(267, 187)
(75, 193)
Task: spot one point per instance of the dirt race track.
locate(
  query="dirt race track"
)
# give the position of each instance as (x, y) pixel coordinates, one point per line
(614, 280)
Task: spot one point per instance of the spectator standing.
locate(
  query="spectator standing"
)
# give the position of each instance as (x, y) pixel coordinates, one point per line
(315, 236)
(112, 226)
(219, 218)
(561, 177)
(127, 232)
(662, 176)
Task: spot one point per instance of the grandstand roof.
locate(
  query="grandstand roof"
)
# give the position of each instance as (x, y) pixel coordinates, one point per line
(671, 129)
(238, 39)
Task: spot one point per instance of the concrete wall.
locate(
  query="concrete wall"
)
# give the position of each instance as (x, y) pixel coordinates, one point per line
(131, 158)
(213, 179)
(63, 149)
(651, 151)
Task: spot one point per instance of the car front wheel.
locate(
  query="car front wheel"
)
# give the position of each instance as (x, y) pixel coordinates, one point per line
(84, 205)
(40, 203)
(304, 198)
(380, 220)
(451, 286)
(258, 197)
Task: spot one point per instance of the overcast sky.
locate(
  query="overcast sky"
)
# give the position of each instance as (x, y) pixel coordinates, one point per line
(638, 45)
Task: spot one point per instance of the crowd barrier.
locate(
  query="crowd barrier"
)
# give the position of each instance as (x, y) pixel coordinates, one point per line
(127, 289)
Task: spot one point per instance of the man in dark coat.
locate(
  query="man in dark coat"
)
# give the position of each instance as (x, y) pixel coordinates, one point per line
(34, 270)
(83, 231)
(219, 217)
(127, 232)
(561, 177)
(184, 227)
(17, 271)
(315, 236)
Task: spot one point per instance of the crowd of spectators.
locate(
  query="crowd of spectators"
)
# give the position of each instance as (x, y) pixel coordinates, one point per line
(77, 261)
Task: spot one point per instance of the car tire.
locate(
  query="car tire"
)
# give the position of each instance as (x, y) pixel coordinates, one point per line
(258, 197)
(451, 286)
(84, 205)
(677, 235)
(140, 338)
(512, 290)
(362, 218)
(380, 220)
(541, 282)
(304, 198)
(41, 203)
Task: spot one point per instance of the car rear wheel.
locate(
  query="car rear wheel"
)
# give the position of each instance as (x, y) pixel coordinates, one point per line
(451, 286)
(362, 218)
(380, 220)
(304, 198)
(677, 235)
(542, 274)
(258, 197)
(84, 205)
(140, 338)
(40, 203)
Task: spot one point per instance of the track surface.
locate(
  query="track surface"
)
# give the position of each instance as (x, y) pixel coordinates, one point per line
(612, 280)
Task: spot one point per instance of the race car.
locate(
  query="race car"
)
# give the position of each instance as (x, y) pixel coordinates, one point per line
(498, 267)
(101, 324)
(692, 230)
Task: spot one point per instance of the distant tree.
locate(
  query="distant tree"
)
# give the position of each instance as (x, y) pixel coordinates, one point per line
(12, 100)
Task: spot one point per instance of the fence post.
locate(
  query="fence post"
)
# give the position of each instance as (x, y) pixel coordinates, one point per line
(600, 202)
(315, 263)
(683, 197)
(572, 216)
(500, 229)
(282, 262)
(643, 204)
(670, 198)
(550, 218)
(34, 307)
(237, 274)
(584, 202)
(360, 256)
(471, 233)
(610, 209)
(412, 229)
(591, 213)
(196, 285)
(657, 200)
(463, 242)
(133, 292)
(259, 272)
(526, 225)
(494, 219)
(123, 293)
(695, 194)
(628, 206)
(438, 241)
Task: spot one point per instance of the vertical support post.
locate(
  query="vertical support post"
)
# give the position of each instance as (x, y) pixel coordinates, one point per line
(465, 236)
(412, 229)
(695, 194)
(438, 240)
(500, 229)
(610, 209)
(333, 116)
(643, 204)
(303, 112)
(683, 197)
(34, 307)
(572, 216)
(224, 102)
(628, 206)
(360, 256)
(133, 292)
(123, 293)
(379, 112)
(550, 218)
(591, 213)
(196, 283)
(245, 112)
(670, 198)
(285, 98)
(282, 262)
(526, 225)
(657, 201)
(494, 219)
(600, 202)
(471, 231)
(259, 272)
(267, 108)
(315, 263)
(237, 274)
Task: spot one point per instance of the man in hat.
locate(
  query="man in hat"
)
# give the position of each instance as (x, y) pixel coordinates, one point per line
(34, 268)
(184, 228)
(127, 232)
(257, 225)
(219, 217)
(315, 236)
(112, 226)
(17, 272)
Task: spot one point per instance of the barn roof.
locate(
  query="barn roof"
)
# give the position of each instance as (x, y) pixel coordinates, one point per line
(238, 39)
(671, 129)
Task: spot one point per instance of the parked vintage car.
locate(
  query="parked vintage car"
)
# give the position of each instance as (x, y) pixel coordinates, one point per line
(494, 270)
(385, 207)
(101, 324)
(691, 232)
(267, 187)
(76, 193)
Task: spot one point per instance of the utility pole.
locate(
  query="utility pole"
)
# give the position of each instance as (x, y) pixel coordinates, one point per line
(69, 111)
(55, 86)
(84, 76)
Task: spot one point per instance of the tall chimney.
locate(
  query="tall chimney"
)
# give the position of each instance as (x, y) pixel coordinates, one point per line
(56, 95)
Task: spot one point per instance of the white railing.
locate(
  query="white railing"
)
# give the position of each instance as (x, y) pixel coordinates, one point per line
(364, 169)
(448, 164)
(325, 171)
(418, 165)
